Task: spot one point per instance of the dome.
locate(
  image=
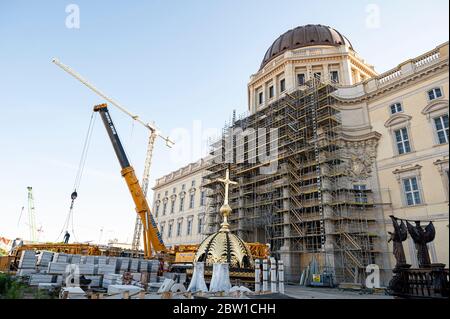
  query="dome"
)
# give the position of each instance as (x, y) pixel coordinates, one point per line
(304, 36)
(224, 247)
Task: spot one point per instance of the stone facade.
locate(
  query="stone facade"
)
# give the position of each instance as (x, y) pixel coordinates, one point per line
(179, 205)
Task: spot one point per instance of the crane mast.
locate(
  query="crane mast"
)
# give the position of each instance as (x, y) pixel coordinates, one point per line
(31, 215)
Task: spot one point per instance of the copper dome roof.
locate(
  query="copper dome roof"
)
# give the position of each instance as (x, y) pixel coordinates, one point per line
(304, 36)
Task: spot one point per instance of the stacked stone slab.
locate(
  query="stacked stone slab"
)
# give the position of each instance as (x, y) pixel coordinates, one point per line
(96, 281)
(60, 258)
(134, 265)
(44, 258)
(111, 279)
(106, 269)
(57, 267)
(124, 264)
(28, 259)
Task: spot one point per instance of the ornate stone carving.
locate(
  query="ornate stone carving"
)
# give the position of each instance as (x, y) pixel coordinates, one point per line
(360, 156)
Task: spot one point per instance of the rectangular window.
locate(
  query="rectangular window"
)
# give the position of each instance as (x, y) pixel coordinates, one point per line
(193, 184)
(271, 93)
(301, 79)
(157, 210)
(189, 227)
(181, 204)
(402, 141)
(202, 198)
(282, 85)
(441, 124)
(169, 233)
(360, 194)
(396, 108)
(183, 187)
(161, 231)
(159, 195)
(164, 209)
(172, 207)
(191, 201)
(412, 193)
(260, 98)
(200, 225)
(434, 94)
(334, 76)
(174, 190)
(179, 228)
(166, 193)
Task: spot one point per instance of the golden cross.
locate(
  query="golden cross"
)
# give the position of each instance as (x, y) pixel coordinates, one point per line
(227, 183)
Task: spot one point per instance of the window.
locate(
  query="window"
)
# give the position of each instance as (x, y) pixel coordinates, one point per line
(202, 198)
(161, 231)
(441, 125)
(282, 85)
(174, 190)
(169, 233)
(191, 201)
(396, 108)
(200, 225)
(271, 93)
(183, 187)
(301, 79)
(181, 204)
(434, 94)
(260, 98)
(402, 141)
(334, 75)
(412, 193)
(164, 208)
(180, 223)
(157, 210)
(159, 195)
(166, 193)
(189, 227)
(360, 194)
(317, 75)
(193, 184)
(172, 207)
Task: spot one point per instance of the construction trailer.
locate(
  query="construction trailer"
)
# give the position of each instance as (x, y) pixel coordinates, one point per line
(315, 205)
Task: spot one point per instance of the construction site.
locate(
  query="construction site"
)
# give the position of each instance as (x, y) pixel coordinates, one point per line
(310, 209)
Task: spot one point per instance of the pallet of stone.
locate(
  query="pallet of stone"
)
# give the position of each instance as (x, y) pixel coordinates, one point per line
(102, 260)
(86, 269)
(57, 267)
(89, 260)
(25, 272)
(124, 264)
(111, 279)
(36, 279)
(112, 261)
(75, 259)
(44, 258)
(96, 281)
(106, 269)
(143, 265)
(27, 259)
(60, 258)
(134, 265)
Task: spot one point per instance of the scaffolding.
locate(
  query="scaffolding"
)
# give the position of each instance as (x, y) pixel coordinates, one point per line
(310, 207)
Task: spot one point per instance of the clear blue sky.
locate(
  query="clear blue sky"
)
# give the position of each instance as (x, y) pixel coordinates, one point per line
(173, 62)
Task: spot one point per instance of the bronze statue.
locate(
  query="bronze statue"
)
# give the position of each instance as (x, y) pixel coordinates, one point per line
(398, 237)
(421, 237)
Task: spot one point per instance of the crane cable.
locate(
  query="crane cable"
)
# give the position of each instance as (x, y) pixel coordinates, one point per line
(76, 186)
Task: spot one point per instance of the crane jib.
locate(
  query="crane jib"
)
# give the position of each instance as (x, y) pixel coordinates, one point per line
(158, 234)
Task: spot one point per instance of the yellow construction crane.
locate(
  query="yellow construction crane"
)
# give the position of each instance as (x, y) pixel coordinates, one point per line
(152, 237)
(154, 133)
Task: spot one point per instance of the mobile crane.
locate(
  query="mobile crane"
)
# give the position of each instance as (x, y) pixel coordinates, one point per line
(150, 232)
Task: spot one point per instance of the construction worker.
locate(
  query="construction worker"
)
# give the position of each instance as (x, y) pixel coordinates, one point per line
(66, 237)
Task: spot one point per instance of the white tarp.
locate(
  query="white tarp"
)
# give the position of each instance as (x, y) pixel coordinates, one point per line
(198, 278)
(220, 280)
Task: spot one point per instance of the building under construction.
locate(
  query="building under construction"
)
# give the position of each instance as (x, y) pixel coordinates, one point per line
(319, 204)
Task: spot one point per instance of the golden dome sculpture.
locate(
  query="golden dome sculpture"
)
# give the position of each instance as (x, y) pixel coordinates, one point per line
(223, 246)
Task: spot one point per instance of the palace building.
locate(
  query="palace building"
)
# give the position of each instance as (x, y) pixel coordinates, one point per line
(350, 148)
